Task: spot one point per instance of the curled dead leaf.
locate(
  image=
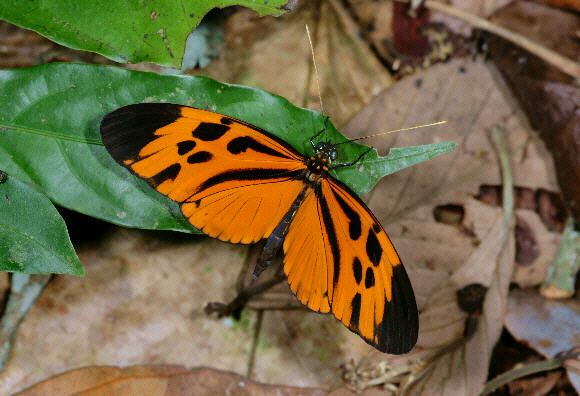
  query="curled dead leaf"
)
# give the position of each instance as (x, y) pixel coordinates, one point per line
(167, 380)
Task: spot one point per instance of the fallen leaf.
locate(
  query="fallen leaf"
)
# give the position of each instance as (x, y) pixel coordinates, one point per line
(482, 8)
(538, 386)
(376, 19)
(349, 73)
(142, 300)
(570, 4)
(158, 380)
(548, 326)
(24, 290)
(538, 249)
(550, 98)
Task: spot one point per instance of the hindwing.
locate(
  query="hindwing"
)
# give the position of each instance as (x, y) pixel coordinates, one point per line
(339, 259)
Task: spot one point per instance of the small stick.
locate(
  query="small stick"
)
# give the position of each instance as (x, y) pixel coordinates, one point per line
(566, 65)
(243, 297)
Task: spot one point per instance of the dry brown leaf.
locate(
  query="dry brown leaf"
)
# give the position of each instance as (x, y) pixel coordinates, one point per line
(570, 4)
(158, 381)
(538, 386)
(274, 54)
(482, 8)
(550, 97)
(141, 301)
(543, 242)
(548, 326)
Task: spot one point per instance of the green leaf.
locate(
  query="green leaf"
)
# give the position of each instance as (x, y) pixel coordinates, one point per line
(49, 136)
(33, 236)
(397, 159)
(123, 30)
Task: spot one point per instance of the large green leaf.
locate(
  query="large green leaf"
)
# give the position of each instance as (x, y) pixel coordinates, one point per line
(123, 30)
(33, 236)
(49, 136)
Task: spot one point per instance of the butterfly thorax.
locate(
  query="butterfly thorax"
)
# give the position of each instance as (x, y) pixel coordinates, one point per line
(318, 164)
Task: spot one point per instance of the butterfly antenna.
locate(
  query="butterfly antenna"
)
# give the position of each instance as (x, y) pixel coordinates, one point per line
(396, 130)
(315, 73)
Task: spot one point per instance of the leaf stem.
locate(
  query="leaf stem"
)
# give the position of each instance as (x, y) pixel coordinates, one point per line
(528, 369)
(24, 291)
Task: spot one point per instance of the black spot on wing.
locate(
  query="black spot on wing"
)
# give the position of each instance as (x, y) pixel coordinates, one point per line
(243, 143)
(376, 228)
(185, 147)
(170, 172)
(398, 331)
(373, 247)
(199, 157)
(369, 278)
(354, 226)
(226, 121)
(357, 270)
(355, 305)
(208, 131)
(128, 129)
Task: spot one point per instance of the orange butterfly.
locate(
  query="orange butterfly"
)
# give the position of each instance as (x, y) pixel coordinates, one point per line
(239, 183)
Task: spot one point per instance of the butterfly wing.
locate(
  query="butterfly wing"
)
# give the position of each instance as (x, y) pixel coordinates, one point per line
(339, 259)
(232, 180)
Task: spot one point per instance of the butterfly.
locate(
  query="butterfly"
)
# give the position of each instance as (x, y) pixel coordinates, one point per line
(240, 184)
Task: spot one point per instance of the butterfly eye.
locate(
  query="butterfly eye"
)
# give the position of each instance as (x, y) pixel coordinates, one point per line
(332, 154)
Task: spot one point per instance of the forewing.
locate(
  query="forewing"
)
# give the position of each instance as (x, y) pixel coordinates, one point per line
(339, 259)
(233, 180)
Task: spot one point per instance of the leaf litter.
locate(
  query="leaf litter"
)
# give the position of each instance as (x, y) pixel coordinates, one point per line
(297, 347)
(549, 327)
(169, 380)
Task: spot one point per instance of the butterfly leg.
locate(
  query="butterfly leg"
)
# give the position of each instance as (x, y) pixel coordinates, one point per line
(326, 118)
(352, 162)
(236, 306)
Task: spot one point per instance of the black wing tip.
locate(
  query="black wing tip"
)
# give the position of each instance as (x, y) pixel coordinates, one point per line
(399, 329)
(126, 130)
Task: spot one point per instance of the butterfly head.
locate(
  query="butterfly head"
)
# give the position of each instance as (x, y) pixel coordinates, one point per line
(327, 150)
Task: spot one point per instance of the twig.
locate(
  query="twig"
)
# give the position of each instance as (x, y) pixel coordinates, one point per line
(244, 296)
(497, 137)
(532, 368)
(24, 291)
(255, 340)
(568, 66)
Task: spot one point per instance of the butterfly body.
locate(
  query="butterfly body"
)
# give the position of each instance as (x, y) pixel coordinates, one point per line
(239, 183)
